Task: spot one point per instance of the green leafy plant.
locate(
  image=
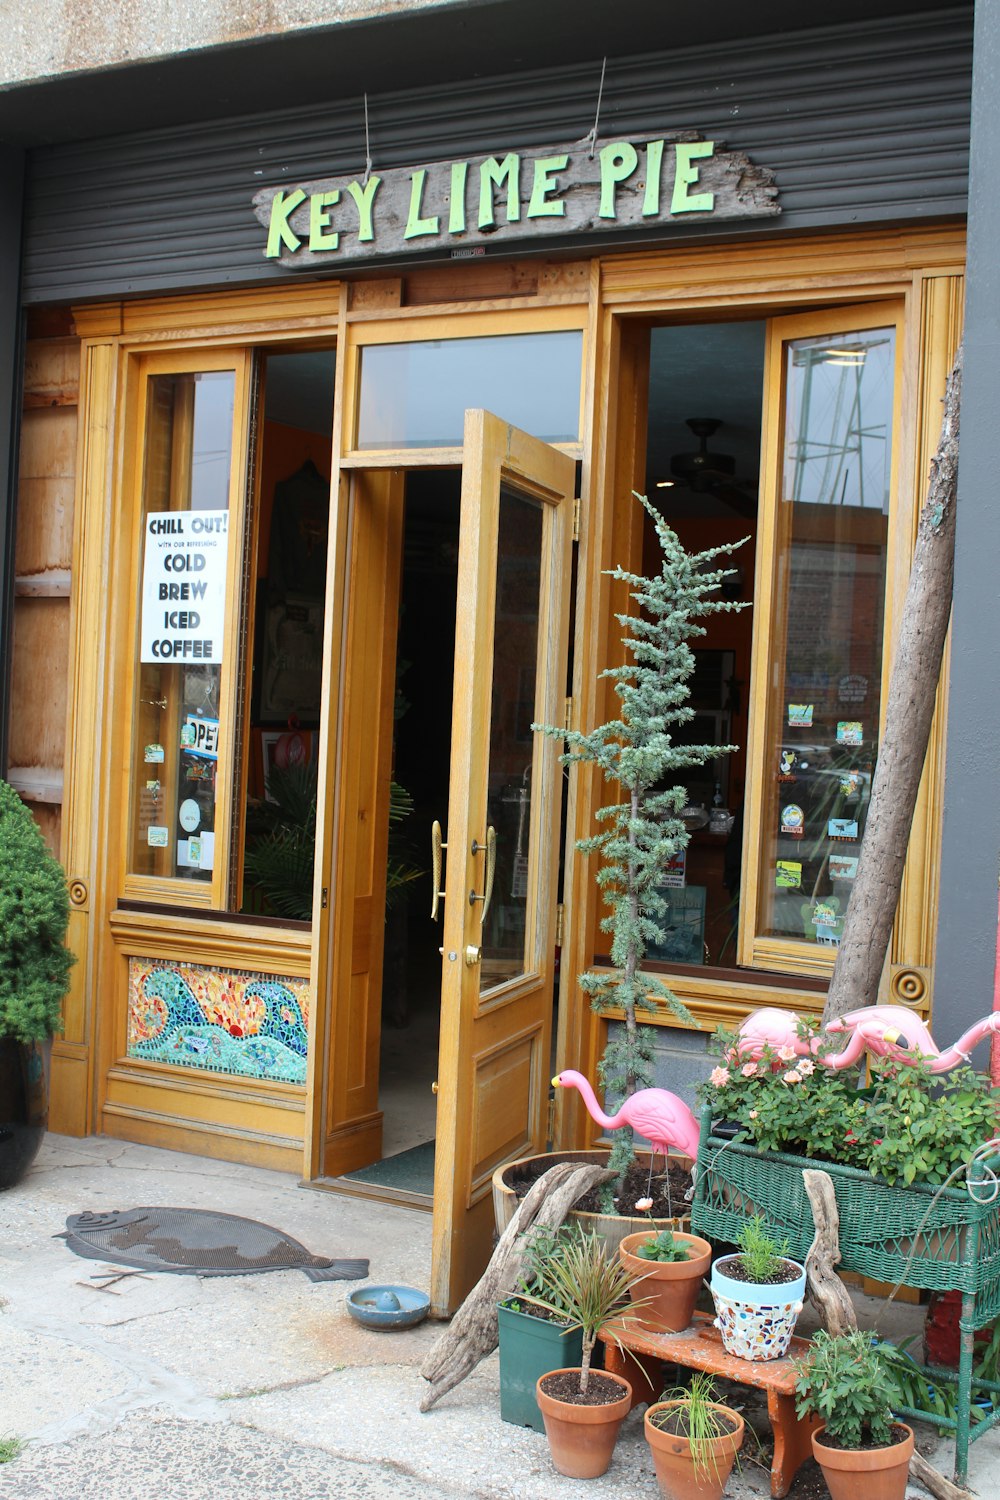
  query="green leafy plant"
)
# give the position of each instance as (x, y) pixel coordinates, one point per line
(694, 1414)
(843, 1380)
(588, 1289)
(34, 915)
(641, 830)
(664, 1248)
(908, 1126)
(543, 1246)
(760, 1255)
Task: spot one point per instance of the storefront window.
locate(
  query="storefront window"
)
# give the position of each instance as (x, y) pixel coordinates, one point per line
(187, 464)
(825, 698)
(416, 395)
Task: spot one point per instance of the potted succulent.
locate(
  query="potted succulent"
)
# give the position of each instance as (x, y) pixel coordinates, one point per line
(861, 1449)
(694, 1441)
(668, 1268)
(534, 1340)
(34, 977)
(641, 829)
(583, 1408)
(758, 1294)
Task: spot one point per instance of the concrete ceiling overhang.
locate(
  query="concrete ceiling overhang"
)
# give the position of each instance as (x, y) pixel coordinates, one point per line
(464, 39)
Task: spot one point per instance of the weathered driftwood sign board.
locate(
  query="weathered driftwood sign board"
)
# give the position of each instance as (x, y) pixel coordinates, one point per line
(459, 205)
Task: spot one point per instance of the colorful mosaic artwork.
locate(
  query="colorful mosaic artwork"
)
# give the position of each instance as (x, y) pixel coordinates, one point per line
(223, 1020)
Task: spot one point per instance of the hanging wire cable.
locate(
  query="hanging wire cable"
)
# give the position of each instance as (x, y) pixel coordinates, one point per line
(591, 139)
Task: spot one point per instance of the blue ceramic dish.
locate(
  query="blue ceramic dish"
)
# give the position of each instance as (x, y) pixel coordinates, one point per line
(388, 1306)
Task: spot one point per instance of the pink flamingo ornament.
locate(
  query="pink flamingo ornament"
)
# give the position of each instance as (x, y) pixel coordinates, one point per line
(893, 1031)
(775, 1029)
(655, 1114)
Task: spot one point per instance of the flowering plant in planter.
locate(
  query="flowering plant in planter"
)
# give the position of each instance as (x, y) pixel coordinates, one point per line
(908, 1126)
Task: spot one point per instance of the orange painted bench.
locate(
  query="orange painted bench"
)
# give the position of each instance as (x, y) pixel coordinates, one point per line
(636, 1353)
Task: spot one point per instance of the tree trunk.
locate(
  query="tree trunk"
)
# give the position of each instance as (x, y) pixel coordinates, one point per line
(909, 710)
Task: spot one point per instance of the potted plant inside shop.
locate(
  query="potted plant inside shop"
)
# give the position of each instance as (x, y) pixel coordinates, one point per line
(694, 1440)
(669, 1267)
(34, 977)
(641, 831)
(758, 1294)
(861, 1449)
(535, 1339)
(583, 1408)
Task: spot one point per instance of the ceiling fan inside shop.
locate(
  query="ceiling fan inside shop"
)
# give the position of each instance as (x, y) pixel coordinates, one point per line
(710, 473)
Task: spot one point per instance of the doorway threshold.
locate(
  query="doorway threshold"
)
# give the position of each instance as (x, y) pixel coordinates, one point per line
(350, 1188)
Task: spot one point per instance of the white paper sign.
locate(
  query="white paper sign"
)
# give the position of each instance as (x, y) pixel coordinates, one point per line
(184, 585)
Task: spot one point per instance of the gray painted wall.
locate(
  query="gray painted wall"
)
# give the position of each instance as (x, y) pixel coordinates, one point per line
(11, 188)
(970, 856)
(862, 124)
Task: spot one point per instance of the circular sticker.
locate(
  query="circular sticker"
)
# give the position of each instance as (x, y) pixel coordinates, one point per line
(189, 815)
(792, 819)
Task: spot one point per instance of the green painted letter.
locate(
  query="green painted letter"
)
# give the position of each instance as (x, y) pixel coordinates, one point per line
(415, 225)
(618, 161)
(319, 221)
(364, 197)
(279, 231)
(493, 172)
(654, 160)
(456, 213)
(685, 174)
(543, 183)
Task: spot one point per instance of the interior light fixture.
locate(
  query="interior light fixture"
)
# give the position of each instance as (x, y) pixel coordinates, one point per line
(664, 484)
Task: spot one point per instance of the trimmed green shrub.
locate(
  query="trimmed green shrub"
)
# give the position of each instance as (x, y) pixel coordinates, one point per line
(34, 915)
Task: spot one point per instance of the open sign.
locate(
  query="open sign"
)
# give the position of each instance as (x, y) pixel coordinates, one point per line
(200, 736)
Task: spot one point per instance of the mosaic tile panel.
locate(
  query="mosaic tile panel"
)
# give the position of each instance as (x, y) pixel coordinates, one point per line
(221, 1020)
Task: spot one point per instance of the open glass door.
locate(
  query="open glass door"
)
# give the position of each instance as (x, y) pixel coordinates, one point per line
(502, 838)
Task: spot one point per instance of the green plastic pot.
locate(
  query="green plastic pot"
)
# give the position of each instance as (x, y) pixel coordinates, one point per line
(529, 1348)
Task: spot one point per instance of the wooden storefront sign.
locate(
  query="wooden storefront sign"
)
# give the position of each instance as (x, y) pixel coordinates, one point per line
(462, 206)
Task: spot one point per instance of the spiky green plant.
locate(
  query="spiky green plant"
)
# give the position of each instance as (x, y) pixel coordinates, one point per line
(34, 915)
(640, 830)
(701, 1421)
(584, 1288)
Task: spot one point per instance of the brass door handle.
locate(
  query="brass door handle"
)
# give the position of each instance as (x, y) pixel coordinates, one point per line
(436, 847)
(434, 1087)
(490, 849)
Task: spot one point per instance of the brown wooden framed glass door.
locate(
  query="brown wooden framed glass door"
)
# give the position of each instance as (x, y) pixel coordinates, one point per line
(502, 836)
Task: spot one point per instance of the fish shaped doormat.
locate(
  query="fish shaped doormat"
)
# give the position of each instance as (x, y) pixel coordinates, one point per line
(198, 1242)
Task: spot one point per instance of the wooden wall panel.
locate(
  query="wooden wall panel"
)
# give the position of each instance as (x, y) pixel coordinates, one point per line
(38, 695)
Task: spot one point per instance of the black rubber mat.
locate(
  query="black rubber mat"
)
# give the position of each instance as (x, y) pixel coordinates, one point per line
(198, 1242)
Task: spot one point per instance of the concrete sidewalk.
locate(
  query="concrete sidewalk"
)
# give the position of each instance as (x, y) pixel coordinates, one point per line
(247, 1388)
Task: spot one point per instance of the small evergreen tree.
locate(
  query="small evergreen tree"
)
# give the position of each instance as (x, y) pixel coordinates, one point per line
(34, 915)
(642, 831)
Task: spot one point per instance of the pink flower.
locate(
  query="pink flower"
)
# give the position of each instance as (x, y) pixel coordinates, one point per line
(806, 1067)
(753, 1114)
(792, 1076)
(643, 1205)
(719, 1077)
(749, 1069)
(787, 1054)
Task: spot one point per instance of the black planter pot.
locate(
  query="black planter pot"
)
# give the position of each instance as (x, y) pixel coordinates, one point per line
(24, 1105)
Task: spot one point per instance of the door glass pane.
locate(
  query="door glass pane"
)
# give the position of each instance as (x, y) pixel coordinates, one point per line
(515, 659)
(830, 581)
(185, 537)
(416, 395)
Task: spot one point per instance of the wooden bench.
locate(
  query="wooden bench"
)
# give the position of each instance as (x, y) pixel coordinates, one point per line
(636, 1353)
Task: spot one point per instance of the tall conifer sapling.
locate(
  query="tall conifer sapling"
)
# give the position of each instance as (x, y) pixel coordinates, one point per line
(641, 830)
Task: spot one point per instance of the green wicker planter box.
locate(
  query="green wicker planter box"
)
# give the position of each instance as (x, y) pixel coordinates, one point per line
(938, 1240)
(922, 1236)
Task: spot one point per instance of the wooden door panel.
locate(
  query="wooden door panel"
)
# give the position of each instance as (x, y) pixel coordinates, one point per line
(505, 1084)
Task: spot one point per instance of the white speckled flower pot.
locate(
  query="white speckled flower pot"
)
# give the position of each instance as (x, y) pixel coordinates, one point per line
(756, 1320)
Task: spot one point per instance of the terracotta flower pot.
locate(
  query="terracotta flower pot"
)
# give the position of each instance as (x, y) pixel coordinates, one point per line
(669, 1288)
(582, 1438)
(678, 1476)
(875, 1473)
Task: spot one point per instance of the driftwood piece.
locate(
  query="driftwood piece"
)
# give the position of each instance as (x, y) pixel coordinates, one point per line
(916, 667)
(921, 1472)
(474, 1331)
(827, 1292)
(831, 1300)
